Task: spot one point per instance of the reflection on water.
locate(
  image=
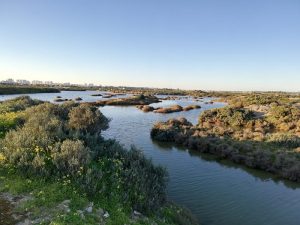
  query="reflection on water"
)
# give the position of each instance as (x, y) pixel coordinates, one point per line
(85, 95)
(217, 191)
(261, 175)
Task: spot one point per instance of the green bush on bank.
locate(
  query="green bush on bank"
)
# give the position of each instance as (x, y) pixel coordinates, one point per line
(65, 141)
(11, 114)
(17, 104)
(9, 121)
(261, 98)
(228, 116)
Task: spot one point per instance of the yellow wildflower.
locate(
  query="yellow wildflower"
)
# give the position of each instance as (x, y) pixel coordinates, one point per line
(2, 157)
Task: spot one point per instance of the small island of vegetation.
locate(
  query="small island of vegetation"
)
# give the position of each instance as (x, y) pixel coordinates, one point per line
(266, 139)
(171, 109)
(130, 101)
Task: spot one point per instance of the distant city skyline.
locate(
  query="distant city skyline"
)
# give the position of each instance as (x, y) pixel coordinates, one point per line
(207, 45)
(43, 82)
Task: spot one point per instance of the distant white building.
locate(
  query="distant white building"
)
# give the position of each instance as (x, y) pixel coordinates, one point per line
(23, 82)
(8, 81)
(49, 82)
(89, 85)
(37, 82)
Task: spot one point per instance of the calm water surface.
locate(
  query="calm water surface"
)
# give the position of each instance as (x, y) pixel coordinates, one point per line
(85, 95)
(217, 192)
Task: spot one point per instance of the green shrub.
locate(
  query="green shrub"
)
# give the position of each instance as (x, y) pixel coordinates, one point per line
(9, 121)
(64, 142)
(227, 116)
(140, 97)
(17, 104)
(84, 118)
(284, 139)
(71, 157)
(144, 183)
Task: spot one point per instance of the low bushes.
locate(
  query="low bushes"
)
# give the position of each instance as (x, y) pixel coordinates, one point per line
(17, 104)
(9, 121)
(226, 117)
(284, 139)
(11, 112)
(260, 98)
(57, 141)
(87, 119)
(244, 124)
(143, 183)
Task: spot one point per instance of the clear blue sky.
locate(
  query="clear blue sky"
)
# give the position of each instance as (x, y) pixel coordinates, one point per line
(192, 44)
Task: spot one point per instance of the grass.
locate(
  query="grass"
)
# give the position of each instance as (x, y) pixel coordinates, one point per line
(44, 197)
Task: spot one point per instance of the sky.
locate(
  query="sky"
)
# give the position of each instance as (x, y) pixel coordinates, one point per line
(188, 44)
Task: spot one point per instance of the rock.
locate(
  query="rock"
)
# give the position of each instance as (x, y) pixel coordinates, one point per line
(99, 212)
(81, 214)
(136, 213)
(106, 215)
(25, 222)
(66, 202)
(174, 108)
(145, 108)
(190, 107)
(89, 208)
(25, 199)
(41, 220)
(64, 206)
(16, 217)
(60, 100)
